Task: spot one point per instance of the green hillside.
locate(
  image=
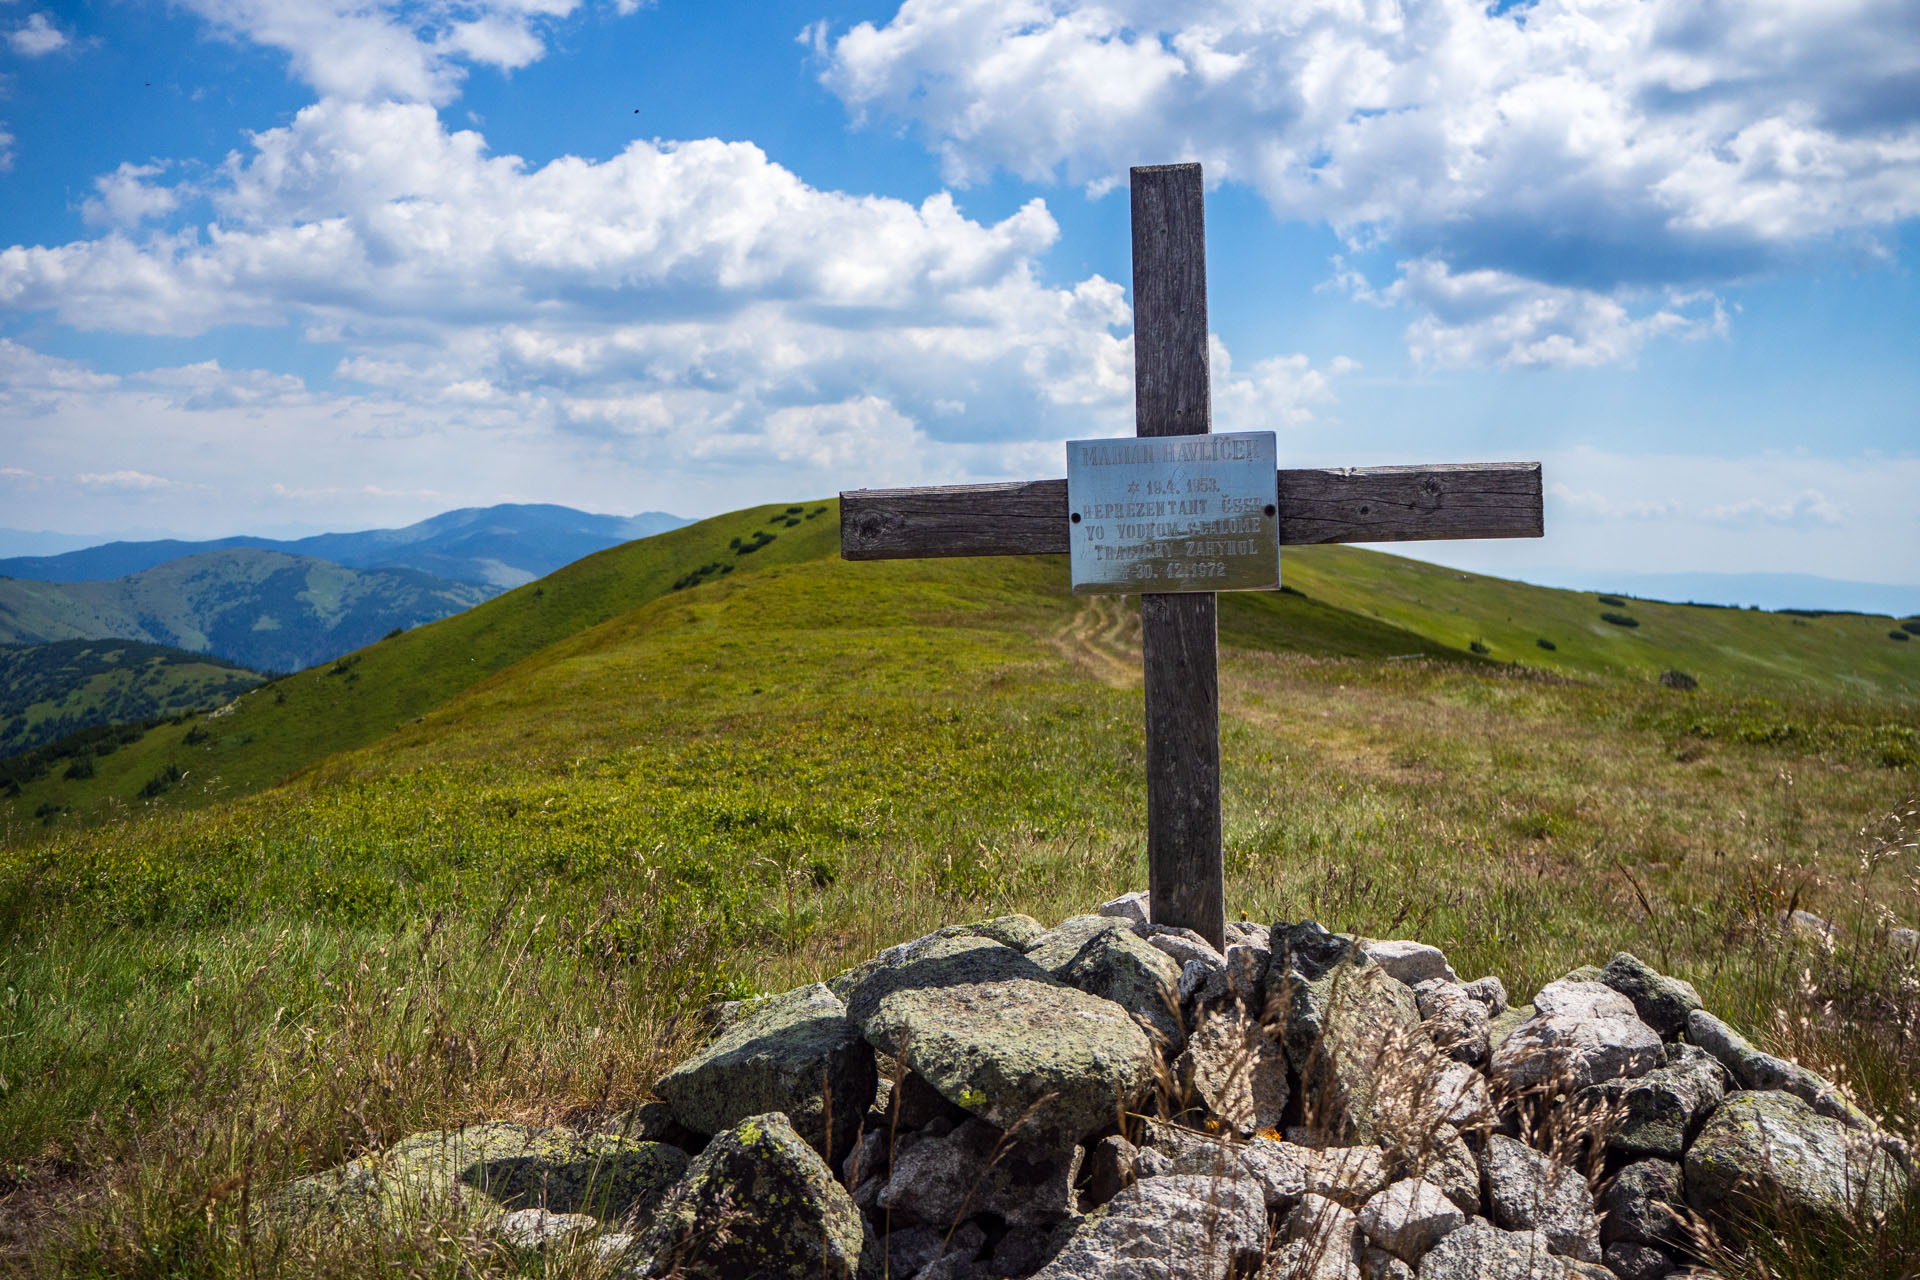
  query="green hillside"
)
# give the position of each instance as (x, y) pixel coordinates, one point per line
(524, 846)
(262, 609)
(1841, 655)
(49, 691)
(1341, 602)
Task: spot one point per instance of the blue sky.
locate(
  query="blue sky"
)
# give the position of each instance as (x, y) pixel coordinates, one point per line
(279, 265)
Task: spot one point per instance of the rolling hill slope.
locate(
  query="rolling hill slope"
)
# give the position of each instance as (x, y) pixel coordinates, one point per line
(262, 609)
(721, 581)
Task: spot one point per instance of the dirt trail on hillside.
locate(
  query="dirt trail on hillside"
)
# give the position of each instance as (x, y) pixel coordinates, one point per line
(1102, 638)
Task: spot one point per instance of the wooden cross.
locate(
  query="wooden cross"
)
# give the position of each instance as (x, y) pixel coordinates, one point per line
(1186, 877)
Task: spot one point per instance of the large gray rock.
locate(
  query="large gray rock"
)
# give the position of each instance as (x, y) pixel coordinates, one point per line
(1134, 908)
(1409, 962)
(1351, 1032)
(1444, 1159)
(759, 1201)
(1056, 948)
(1409, 1218)
(999, 1036)
(1528, 1191)
(1630, 1261)
(1182, 1227)
(795, 1053)
(1769, 1153)
(483, 1170)
(1581, 1033)
(1325, 1226)
(1641, 1205)
(1238, 1070)
(1663, 1003)
(937, 1179)
(1455, 1019)
(1115, 965)
(1654, 1114)
(1481, 1251)
(1304, 1260)
(1288, 1172)
(1753, 1069)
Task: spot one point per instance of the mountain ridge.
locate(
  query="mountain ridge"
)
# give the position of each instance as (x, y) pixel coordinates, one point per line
(501, 546)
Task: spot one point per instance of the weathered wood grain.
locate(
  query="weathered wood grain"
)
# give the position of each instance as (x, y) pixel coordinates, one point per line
(1186, 873)
(1358, 504)
(1186, 877)
(1171, 388)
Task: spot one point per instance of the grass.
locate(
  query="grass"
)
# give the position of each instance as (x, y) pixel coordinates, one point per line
(503, 891)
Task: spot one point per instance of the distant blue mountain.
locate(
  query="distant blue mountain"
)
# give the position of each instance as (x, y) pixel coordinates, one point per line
(498, 547)
(1741, 590)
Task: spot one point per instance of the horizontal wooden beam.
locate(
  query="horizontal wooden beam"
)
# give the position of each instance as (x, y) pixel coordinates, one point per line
(1336, 504)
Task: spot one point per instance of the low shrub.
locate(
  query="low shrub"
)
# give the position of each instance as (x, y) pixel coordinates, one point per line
(1620, 619)
(1546, 644)
(1678, 680)
(162, 782)
(1615, 601)
(1478, 646)
(82, 767)
(1897, 635)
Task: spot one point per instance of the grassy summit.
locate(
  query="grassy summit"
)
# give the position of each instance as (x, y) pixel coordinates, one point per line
(510, 853)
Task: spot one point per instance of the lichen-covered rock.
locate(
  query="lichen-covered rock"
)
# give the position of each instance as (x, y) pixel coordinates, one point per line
(1455, 1020)
(1351, 1032)
(1753, 1069)
(1378, 1264)
(1409, 1218)
(1528, 1191)
(482, 1170)
(795, 1053)
(1134, 908)
(1769, 1153)
(1410, 962)
(1481, 1251)
(759, 1201)
(1182, 1227)
(1115, 965)
(1237, 1068)
(1581, 1033)
(1641, 1203)
(1663, 1003)
(1504, 1023)
(1652, 1115)
(1108, 1166)
(1056, 948)
(1000, 1036)
(937, 1179)
(1016, 931)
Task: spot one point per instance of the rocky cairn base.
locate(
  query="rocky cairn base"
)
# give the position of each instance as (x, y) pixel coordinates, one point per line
(1109, 1098)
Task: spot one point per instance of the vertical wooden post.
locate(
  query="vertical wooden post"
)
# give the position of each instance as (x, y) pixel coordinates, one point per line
(1186, 878)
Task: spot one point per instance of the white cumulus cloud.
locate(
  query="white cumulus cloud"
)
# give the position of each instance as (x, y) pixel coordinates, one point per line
(370, 50)
(1610, 148)
(37, 37)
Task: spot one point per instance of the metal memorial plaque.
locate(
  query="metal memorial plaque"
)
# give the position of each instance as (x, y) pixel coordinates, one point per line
(1174, 513)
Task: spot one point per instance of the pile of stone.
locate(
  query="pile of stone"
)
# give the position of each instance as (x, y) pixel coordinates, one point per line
(1111, 1098)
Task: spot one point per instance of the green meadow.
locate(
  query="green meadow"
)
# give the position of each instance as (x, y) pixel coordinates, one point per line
(495, 867)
